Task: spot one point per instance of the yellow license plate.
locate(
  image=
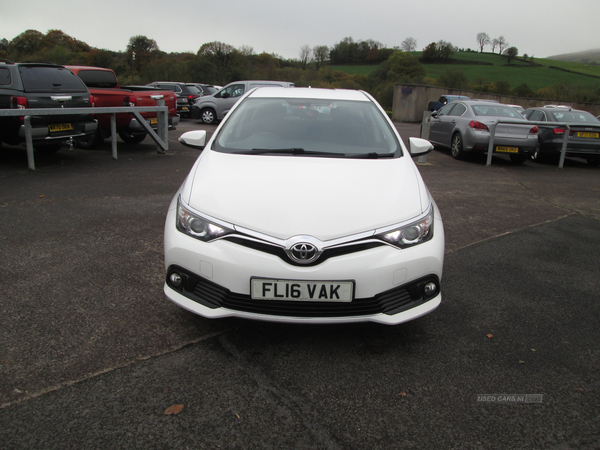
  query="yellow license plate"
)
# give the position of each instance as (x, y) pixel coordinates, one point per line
(60, 127)
(153, 121)
(185, 108)
(585, 134)
(507, 149)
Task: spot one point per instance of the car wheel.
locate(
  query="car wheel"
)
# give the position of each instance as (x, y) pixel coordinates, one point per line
(91, 141)
(457, 147)
(594, 161)
(208, 116)
(129, 138)
(518, 158)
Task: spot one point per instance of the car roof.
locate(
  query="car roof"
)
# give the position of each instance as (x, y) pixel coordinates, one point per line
(309, 93)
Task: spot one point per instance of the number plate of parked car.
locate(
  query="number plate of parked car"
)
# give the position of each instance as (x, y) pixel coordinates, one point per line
(583, 134)
(507, 149)
(60, 127)
(153, 121)
(319, 291)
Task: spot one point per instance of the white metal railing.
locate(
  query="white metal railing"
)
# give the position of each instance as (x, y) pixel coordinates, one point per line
(161, 138)
(563, 151)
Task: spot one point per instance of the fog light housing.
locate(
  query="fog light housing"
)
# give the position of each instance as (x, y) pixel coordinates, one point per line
(176, 279)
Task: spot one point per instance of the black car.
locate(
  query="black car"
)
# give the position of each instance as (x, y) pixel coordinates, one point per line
(584, 133)
(206, 89)
(43, 85)
(186, 93)
(444, 100)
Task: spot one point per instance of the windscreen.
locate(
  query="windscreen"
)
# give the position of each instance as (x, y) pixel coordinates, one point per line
(339, 128)
(50, 79)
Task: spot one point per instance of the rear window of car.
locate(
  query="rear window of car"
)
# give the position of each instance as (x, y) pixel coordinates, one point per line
(98, 78)
(496, 111)
(574, 117)
(191, 90)
(4, 76)
(50, 79)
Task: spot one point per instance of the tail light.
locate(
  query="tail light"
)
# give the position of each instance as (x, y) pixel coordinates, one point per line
(534, 130)
(478, 125)
(18, 102)
(559, 131)
(92, 101)
(191, 98)
(129, 100)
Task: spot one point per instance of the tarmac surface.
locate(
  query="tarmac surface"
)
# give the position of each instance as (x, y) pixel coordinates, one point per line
(92, 353)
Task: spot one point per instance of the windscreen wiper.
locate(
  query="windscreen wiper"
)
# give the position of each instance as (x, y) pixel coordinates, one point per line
(371, 155)
(290, 151)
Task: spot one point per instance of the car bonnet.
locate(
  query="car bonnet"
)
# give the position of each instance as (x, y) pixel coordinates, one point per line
(285, 196)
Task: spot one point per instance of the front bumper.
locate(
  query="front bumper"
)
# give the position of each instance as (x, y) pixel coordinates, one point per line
(386, 280)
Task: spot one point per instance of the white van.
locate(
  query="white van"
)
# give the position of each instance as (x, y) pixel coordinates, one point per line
(211, 108)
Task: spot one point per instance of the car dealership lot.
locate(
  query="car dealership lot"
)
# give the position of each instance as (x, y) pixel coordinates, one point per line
(92, 353)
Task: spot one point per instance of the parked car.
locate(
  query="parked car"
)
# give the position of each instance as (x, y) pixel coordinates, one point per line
(584, 133)
(106, 91)
(41, 85)
(212, 108)
(444, 100)
(295, 214)
(464, 126)
(186, 93)
(518, 108)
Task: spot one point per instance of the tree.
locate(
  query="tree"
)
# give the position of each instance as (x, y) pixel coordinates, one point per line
(246, 50)
(482, 40)
(494, 44)
(27, 43)
(502, 44)
(511, 53)
(445, 49)
(430, 52)
(142, 50)
(320, 54)
(409, 44)
(305, 55)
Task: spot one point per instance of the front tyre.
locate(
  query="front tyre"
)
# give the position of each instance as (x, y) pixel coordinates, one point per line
(457, 147)
(129, 138)
(91, 141)
(208, 116)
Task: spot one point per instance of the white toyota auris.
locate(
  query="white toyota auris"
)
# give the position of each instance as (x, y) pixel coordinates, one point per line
(305, 206)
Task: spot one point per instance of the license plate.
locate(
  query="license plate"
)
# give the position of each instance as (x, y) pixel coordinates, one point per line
(184, 108)
(153, 121)
(302, 291)
(60, 127)
(507, 149)
(585, 134)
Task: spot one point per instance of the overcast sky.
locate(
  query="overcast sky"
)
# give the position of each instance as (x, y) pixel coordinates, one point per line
(537, 27)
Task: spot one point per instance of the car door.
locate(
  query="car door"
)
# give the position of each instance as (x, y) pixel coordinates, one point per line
(438, 123)
(227, 98)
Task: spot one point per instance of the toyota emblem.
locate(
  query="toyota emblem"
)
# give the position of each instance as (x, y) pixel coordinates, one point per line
(303, 253)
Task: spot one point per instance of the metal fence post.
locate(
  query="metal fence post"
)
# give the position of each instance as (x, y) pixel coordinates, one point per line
(162, 126)
(491, 146)
(29, 142)
(113, 134)
(563, 151)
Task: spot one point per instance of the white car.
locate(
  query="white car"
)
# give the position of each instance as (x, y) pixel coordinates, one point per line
(306, 207)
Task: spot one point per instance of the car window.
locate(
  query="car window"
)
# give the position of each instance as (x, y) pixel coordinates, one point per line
(496, 111)
(575, 116)
(445, 110)
(4, 76)
(458, 110)
(98, 78)
(50, 79)
(537, 116)
(341, 128)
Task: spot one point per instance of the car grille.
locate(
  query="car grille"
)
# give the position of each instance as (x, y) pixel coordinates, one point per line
(328, 253)
(214, 296)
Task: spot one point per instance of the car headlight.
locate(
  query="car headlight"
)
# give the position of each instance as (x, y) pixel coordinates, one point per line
(198, 227)
(412, 234)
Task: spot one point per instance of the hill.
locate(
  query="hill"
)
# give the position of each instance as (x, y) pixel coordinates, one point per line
(585, 57)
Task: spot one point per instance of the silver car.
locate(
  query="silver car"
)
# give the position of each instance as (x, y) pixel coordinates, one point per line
(464, 126)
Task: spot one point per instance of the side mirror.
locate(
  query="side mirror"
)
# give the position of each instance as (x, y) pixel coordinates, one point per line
(225, 95)
(434, 114)
(418, 146)
(194, 139)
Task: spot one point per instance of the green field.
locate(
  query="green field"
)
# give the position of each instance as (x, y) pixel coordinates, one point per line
(517, 73)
